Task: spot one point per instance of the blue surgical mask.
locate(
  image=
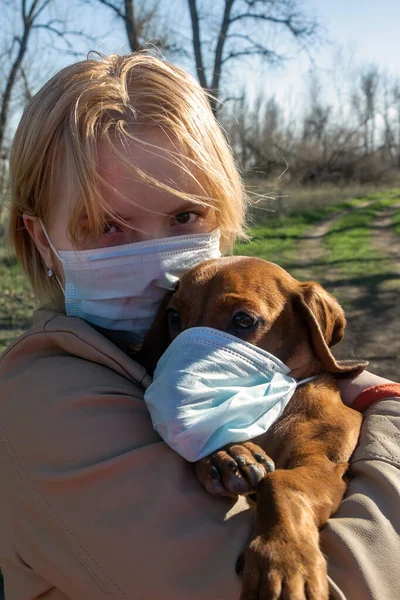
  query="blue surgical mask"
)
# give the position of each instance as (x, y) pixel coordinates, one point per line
(211, 389)
(121, 288)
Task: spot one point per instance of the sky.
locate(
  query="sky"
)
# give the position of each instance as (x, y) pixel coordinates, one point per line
(366, 31)
(371, 27)
(356, 33)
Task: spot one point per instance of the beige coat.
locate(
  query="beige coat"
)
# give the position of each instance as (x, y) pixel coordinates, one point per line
(93, 505)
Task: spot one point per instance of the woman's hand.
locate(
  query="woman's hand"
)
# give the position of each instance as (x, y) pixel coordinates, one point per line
(351, 388)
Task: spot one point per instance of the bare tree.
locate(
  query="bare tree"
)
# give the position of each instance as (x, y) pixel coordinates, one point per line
(29, 16)
(388, 148)
(246, 29)
(365, 105)
(369, 87)
(395, 120)
(125, 10)
(256, 132)
(33, 15)
(318, 113)
(142, 22)
(321, 142)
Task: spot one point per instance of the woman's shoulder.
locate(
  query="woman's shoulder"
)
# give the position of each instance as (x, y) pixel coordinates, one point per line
(55, 341)
(63, 375)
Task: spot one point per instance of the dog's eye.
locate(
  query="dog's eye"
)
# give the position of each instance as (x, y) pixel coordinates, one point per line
(174, 318)
(243, 320)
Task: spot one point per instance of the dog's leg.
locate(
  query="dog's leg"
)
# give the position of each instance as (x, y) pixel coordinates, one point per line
(283, 559)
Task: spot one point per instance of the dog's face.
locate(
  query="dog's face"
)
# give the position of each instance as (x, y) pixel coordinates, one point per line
(260, 303)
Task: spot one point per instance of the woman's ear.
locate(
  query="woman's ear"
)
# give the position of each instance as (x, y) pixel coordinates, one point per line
(326, 321)
(35, 230)
(157, 339)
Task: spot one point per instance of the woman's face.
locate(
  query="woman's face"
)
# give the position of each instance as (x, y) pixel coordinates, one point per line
(132, 200)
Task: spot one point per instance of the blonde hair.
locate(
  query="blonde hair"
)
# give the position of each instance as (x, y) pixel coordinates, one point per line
(106, 99)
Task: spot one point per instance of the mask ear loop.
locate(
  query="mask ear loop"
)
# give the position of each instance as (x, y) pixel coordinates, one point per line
(50, 272)
(306, 380)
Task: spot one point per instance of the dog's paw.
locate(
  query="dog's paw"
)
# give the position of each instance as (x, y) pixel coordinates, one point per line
(235, 470)
(281, 568)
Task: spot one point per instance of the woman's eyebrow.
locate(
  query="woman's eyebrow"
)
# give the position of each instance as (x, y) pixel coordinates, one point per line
(123, 216)
(186, 205)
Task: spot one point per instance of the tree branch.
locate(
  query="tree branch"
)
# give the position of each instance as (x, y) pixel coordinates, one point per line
(33, 16)
(28, 93)
(113, 7)
(297, 30)
(269, 54)
(60, 33)
(254, 50)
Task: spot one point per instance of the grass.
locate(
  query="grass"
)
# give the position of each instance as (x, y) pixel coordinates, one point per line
(275, 242)
(277, 227)
(17, 302)
(348, 243)
(396, 223)
(276, 238)
(283, 202)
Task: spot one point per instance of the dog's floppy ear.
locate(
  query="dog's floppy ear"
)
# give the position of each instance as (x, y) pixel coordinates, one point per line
(327, 323)
(157, 339)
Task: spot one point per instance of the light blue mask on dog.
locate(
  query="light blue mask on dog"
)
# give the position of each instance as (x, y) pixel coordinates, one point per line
(211, 389)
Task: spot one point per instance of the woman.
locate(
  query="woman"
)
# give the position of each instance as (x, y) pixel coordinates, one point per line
(121, 178)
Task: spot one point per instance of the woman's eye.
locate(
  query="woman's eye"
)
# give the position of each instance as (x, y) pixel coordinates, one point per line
(243, 320)
(110, 228)
(186, 217)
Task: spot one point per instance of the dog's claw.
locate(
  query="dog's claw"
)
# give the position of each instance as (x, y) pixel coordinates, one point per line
(216, 488)
(260, 457)
(268, 464)
(214, 473)
(256, 474)
(233, 466)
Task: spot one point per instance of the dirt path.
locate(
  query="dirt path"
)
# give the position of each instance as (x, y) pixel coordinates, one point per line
(385, 239)
(311, 252)
(311, 264)
(380, 327)
(372, 303)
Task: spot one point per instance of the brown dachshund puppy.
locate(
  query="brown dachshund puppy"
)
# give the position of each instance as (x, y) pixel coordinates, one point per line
(311, 442)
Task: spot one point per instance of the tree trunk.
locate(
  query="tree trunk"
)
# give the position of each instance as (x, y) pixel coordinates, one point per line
(194, 16)
(130, 25)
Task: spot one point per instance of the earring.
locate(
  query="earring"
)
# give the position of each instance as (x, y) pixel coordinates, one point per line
(50, 273)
